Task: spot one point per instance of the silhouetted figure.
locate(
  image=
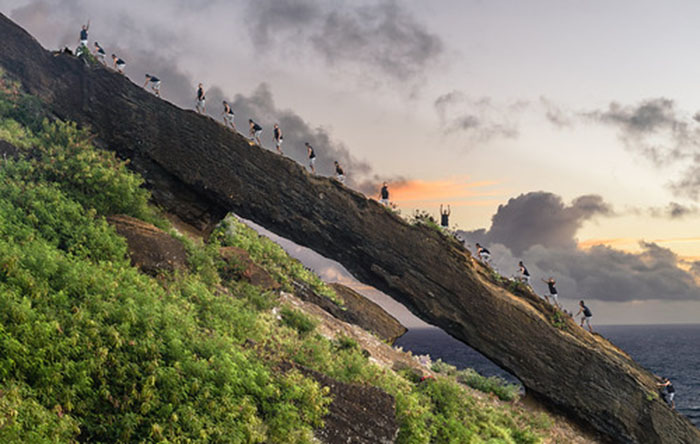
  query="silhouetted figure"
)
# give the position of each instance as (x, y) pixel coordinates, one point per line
(277, 134)
(586, 315)
(524, 274)
(312, 157)
(384, 195)
(228, 116)
(119, 64)
(255, 131)
(445, 217)
(84, 34)
(155, 83)
(339, 173)
(201, 100)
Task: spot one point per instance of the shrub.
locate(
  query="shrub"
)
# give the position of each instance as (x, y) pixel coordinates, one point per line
(298, 320)
(498, 386)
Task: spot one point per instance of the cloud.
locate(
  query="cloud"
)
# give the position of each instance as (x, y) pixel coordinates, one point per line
(382, 38)
(555, 114)
(541, 218)
(674, 210)
(479, 118)
(540, 230)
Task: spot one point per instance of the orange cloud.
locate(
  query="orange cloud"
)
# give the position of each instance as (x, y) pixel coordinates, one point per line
(457, 191)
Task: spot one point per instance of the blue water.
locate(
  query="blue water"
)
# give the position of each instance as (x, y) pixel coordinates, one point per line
(667, 350)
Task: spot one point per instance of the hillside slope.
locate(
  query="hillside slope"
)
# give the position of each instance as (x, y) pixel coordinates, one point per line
(199, 171)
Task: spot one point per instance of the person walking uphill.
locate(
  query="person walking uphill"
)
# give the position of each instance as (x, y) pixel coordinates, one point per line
(484, 254)
(155, 84)
(384, 194)
(277, 134)
(119, 64)
(100, 53)
(339, 173)
(524, 274)
(228, 116)
(552, 290)
(586, 315)
(445, 217)
(670, 392)
(255, 131)
(201, 100)
(312, 157)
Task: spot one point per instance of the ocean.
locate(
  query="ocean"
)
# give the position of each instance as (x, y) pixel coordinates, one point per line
(667, 350)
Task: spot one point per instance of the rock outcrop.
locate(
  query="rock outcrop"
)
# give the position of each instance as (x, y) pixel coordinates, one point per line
(239, 265)
(199, 171)
(357, 310)
(151, 249)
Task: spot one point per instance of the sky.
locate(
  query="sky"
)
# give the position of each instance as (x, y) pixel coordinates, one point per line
(562, 133)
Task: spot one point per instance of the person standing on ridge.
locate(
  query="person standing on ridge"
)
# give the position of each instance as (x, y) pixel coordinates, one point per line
(277, 134)
(84, 34)
(255, 131)
(228, 116)
(119, 64)
(155, 84)
(201, 100)
(312, 157)
(484, 254)
(524, 274)
(552, 290)
(384, 193)
(586, 315)
(445, 217)
(670, 392)
(100, 53)
(339, 173)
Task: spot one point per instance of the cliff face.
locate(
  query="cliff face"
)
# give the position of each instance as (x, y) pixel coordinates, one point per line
(198, 171)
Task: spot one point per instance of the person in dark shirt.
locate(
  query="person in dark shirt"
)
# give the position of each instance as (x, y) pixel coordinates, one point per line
(445, 217)
(119, 64)
(228, 116)
(84, 34)
(255, 131)
(484, 254)
(586, 315)
(155, 83)
(100, 53)
(312, 157)
(339, 173)
(201, 100)
(384, 195)
(552, 290)
(524, 274)
(670, 392)
(277, 134)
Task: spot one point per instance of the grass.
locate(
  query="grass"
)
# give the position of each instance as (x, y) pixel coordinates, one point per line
(93, 350)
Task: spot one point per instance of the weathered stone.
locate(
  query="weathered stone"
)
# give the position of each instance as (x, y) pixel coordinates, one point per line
(239, 265)
(198, 170)
(7, 150)
(151, 249)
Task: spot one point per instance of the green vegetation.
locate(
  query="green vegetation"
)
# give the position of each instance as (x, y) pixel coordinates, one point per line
(495, 385)
(422, 217)
(93, 350)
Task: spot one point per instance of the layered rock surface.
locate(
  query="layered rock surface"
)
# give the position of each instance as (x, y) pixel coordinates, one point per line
(199, 171)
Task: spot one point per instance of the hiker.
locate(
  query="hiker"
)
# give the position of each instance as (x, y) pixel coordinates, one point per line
(586, 315)
(119, 64)
(339, 173)
(669, 392)
(201, 100)
(100, 53)
(277, 134)
(552, 291)
(155, 84)
(445, 217)
(524, 274)
(228, 116)
(255, 131)
(84, 34)
(384, 193)
(312, 157)
(484, 254)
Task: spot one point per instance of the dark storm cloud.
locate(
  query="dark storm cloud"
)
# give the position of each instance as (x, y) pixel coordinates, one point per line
(480, 119)
(540, 230)
(541, 218)
(383, 37)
